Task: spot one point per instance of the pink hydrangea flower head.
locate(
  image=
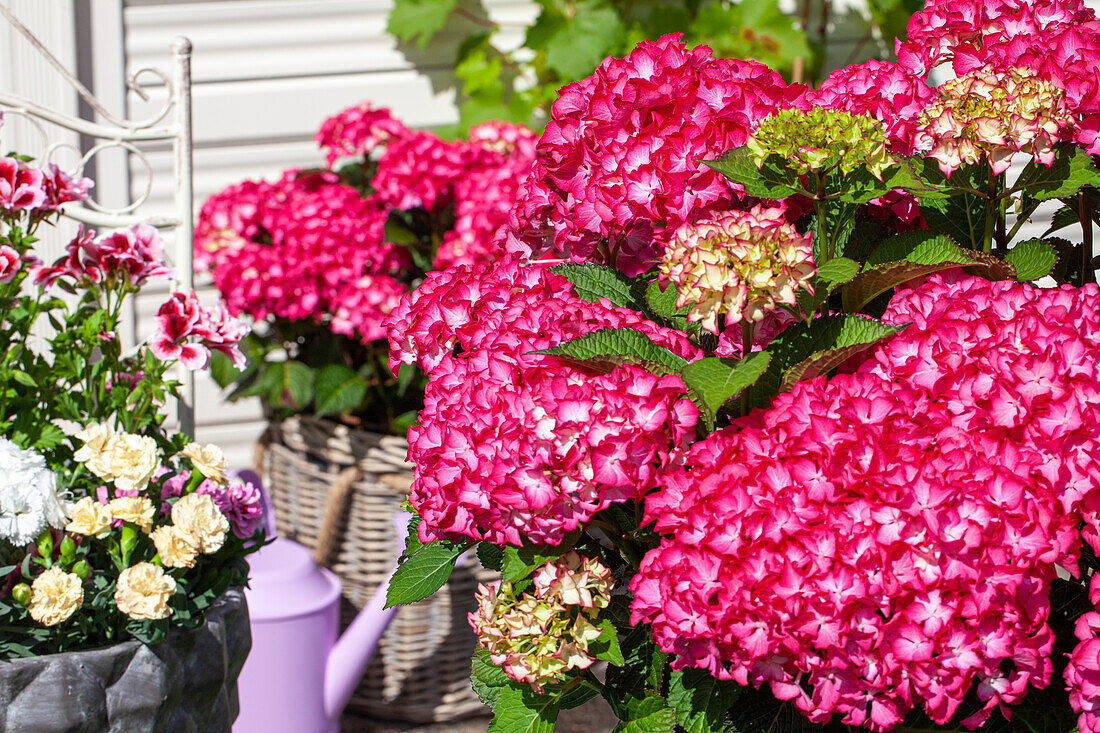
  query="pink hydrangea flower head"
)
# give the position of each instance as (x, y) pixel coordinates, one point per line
(743, 264)
(357, 131)
(539, 637)
(617, 167)
(421, 170)
(988, 114)
(820, 139)
(886, 539)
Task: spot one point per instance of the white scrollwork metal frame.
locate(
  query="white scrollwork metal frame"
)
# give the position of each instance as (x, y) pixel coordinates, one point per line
(171, 123)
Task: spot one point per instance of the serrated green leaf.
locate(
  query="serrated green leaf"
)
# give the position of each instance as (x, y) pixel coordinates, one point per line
(487, 678)
(757, 711)
(423, 573)
(1033, 259)
(750, 29)
(289, 384)
(338, 390)
(611, 346)
(826, 360)
(577, 695)
(490, 556)
(606, 646)
(719, 380)
(837, 271)
(576, 36)
(919, 247)
(520, 710)
(519, 562)
(418, 20)
(700, 701)
(662, 303)
(772, 180)
(1062, 218)
(840, 222)
(48, 437)
(813, 343)
(650, 714)
(592, 282)
(1071, 169)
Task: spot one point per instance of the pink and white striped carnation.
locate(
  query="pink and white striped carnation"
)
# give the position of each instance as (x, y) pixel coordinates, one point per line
(885, 539)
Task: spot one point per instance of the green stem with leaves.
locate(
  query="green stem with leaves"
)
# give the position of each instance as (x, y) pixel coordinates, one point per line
(992, 208)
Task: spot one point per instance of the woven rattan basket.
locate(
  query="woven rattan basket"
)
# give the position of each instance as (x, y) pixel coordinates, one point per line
(337, 490)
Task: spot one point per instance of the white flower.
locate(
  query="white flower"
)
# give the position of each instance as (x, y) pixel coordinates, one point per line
(29, 501)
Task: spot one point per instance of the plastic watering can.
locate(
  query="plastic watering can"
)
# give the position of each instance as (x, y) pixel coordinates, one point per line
(301, 672)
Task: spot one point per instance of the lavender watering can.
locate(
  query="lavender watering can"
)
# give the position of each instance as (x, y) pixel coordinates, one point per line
(301, 671)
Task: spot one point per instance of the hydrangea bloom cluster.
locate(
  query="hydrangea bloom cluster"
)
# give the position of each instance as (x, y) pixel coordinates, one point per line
(743, 264)
(992, 114)
(1059, 40)
(886, 539)
(618, 160)
(511, 444)
(538, 637)
(357, 131)
(1083, 670)
(296, 248)
(188, 331)
(820, 138)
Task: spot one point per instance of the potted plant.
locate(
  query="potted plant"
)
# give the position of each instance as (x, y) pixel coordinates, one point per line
(121, 544)
(316, 260)
(788, 437)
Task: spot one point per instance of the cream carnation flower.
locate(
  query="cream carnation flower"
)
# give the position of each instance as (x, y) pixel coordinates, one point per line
(126, 459)
(143, 590)
(177, 548)
(29, 500)
(199, 516)
(55, 595)
(89, 518)
(208, 460)
(134, 509)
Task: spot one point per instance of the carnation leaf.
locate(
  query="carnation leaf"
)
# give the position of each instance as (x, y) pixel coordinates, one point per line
(423, 573)
(592, 282)
(718, 380)
(1070, 170)
(772, 180)
(610, 347)
(418, 20)
(700, 701)
(813, 349)
(1033, 259)
(49, 437)
(519, 709)
(606, 646)
(338, 390)
(649, 714)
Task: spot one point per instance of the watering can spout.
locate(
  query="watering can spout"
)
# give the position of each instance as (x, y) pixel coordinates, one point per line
(354, 649)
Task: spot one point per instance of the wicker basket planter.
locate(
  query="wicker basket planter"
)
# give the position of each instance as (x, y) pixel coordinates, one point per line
(186, 683)
(337, 490)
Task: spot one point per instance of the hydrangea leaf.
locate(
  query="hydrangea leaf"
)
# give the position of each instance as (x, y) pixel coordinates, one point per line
(1062, 218)
(288, 384)
(519, 562)
(662, 303)
(423, 573)
(649, 714)
(840, 223)
(418, 20)
(773, 180)
(338, 390)
(490, 556)
(592, 282)
(576, 36)
(757, 711)
(609, 347)
(1033, 259)
(700, 701)
(1070, 170)
(606, 646)
(518, 709)
(717, 380)
(486, 677)
(809, 350)
(829, 276)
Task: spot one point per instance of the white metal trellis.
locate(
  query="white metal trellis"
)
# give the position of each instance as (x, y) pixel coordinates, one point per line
(172, 123)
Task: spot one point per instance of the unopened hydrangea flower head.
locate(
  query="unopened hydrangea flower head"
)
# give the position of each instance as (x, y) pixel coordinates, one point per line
(538, 637)
(993, 114)
(820, 139)
(740, 263)
(886, 539)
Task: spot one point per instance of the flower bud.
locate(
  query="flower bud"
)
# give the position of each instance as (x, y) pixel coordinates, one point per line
(81, 570)
(45, 544)
(821, 139)
(68, 547)
(21, 593)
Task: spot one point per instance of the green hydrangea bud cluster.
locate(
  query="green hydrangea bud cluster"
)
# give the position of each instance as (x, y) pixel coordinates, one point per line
(993, 114)
(538, 637)
(822, 139)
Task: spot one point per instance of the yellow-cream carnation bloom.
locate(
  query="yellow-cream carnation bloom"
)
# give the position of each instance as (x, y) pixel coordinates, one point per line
(95, 437)
(89, 518)
(143, 590)
(176, 547)
(208, 460)
(199, 516)
(55, 595)
(126, 459)
(134, 509)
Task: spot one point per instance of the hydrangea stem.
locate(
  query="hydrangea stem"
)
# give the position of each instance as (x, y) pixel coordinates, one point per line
(1084, 211)
(746, 349)
(991, 209)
